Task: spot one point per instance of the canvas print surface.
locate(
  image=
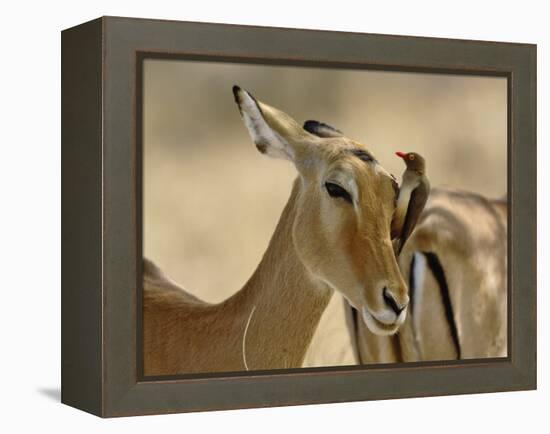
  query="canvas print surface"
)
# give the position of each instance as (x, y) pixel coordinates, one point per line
(299, 217)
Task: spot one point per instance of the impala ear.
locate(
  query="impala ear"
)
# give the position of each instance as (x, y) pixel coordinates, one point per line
(274, 132)
(321, 129)
(395, 228)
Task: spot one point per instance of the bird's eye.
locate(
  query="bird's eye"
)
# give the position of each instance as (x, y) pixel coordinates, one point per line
(411, 156)
(334, 190)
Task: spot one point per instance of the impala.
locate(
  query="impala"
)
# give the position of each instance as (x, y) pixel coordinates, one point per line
(456, 266)
(333, 235)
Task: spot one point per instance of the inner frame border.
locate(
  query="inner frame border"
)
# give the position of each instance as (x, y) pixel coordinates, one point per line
(142, 56)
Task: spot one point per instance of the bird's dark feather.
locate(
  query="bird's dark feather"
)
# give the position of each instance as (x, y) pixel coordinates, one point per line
(417, 201)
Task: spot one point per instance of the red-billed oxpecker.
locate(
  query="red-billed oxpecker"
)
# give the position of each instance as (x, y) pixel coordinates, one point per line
(413, 194)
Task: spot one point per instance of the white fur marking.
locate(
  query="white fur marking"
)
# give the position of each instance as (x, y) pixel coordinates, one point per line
(419, 274)
(372, 325)
(244, 337)
(261, 132)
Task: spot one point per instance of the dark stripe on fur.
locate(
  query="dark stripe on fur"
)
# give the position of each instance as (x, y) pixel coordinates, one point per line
(397, 350)
(354, 319)
(316, 127)
(412, 289)
(439, 274)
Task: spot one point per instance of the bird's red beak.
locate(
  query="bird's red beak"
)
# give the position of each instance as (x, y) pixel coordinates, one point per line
(400, 154)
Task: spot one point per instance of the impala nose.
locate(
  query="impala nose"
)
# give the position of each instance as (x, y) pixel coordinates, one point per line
(393, 303)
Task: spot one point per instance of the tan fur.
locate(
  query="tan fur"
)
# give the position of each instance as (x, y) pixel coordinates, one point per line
(469, 235)
(321, 244)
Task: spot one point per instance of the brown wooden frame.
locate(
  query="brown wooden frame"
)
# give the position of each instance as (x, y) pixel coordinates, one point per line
(101, 216)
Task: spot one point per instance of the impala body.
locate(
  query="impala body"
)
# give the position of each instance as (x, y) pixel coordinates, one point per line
(456, 266)
(333, 235)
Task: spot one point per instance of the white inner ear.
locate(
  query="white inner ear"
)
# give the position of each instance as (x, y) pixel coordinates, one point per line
(267, 140)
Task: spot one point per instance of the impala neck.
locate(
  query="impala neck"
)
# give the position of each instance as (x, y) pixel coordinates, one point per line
(282, 302)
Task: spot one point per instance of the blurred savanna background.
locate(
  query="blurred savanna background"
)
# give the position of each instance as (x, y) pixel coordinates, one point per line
(211, 200)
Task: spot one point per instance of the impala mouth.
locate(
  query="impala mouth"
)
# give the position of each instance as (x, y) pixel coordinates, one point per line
(382, 328)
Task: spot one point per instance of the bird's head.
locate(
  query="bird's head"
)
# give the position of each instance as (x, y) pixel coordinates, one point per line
(413, 161)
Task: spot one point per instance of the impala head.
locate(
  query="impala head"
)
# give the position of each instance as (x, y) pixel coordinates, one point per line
(344, 205)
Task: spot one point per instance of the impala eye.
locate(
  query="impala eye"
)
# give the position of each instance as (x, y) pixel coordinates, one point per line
(334, 190)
